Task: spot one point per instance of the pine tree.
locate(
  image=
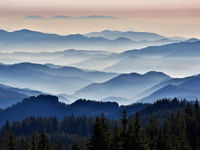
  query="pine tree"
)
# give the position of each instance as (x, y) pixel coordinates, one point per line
(26, 146)
(181, 141)
(74, 146)
(160, 141)
(60, 146)
(101, 139)
(167, 145)
(33, 141)
(117, 143)
(198, 144)
(124, 122)
(11, 141)
(152, 130)
(139, 140)
(43, 142)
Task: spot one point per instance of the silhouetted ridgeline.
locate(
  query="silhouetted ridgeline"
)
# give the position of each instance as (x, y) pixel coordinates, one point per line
(48, 106)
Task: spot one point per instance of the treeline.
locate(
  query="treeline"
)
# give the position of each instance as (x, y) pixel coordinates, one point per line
(179, 130)
(65, 132)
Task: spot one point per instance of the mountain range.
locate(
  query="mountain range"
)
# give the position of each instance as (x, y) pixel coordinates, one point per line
(124, 86)
(124, 77)
(47, 79)
(143, 88)
(28, 40)
(134, 36)
(167, 57)
(182, 88)
(163, 58)
(70, 84)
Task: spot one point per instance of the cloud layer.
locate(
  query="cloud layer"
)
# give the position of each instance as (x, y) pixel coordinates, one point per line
(71, 17)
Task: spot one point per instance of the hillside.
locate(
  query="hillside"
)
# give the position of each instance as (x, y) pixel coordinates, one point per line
(124, 86)
(10, 95)
(47, 79)
(182, 88)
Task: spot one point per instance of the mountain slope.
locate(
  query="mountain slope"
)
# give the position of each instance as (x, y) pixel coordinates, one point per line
(10, 95)
(66, 57)
(125, 86)
(164, 58)
(47, 79)
(185, 88)
(135, 36)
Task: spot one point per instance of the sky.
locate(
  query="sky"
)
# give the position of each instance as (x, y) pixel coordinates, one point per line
(166, 17)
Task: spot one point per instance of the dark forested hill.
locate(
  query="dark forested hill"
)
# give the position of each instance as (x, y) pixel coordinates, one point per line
(49, 106)
(43, 120)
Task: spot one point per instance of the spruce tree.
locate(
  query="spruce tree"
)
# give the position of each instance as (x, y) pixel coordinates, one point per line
(11, 141)
(33, 141)
(60, 146)
(139, 139)
(74, 146)
(198, 144)
(43, 142)
(101, 138)
(152, 130)
(117, 143)
(181, 141)
(167, 145)
(26, 146)
(124, 122)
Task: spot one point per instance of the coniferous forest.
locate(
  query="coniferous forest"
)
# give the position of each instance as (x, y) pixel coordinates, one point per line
(179, 130)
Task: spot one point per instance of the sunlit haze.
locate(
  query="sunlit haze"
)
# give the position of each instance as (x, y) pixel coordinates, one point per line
(170, 18)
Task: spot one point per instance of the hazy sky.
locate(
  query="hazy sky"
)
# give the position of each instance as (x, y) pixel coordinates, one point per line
(168, 17)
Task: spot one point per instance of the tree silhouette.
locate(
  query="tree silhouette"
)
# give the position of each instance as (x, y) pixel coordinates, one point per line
(11, 141)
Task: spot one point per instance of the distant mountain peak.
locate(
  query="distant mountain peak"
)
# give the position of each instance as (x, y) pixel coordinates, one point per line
(193, 40)
(129, 75)
(26, 31)
(156, 73)
(3, 31)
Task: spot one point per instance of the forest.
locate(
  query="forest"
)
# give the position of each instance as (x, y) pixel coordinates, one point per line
(158, 129)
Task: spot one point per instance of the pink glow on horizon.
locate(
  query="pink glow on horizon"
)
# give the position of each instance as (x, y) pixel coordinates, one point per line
(177, 17)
